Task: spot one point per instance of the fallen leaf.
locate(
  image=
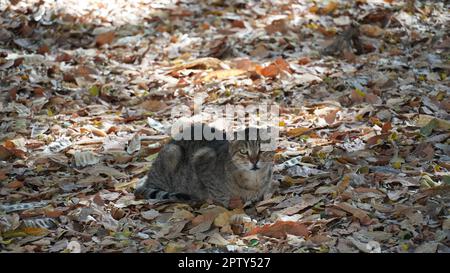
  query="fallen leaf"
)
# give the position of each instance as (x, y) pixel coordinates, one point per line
(104, 38)
(298, 131)
(371, 30)
(223, 74)
(358, 213)
(280, 229)
(15, 184)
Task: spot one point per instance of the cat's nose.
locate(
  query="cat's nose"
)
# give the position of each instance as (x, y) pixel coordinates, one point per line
(255, 166)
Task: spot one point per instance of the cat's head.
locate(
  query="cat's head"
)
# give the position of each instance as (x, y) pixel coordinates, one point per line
(248, 154)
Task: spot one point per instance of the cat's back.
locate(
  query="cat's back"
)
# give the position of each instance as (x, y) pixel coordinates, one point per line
(194, 143)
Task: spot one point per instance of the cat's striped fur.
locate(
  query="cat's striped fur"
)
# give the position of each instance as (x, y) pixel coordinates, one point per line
(216, 170)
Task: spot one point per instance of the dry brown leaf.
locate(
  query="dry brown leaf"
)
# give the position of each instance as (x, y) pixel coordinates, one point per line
(153, 105)
(15, 185)
(238, 24)
(280, 229)
(55, 213)
(105, 38)
(3, 175)
(4, 153)
(331, 116)
(343, 184)
(260, 51)
(358, 213)
(371, 30)
(202, 63)
(98, 132)
(298, 131)
(304, 60)
(277, 26)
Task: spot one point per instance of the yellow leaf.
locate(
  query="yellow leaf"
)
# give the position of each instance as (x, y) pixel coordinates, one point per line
(422, 78)
(405, 247)
(35, 231)
(360, 93)
(223, 74)
(393, 136)
(173, 248)
(39, 168)
(397, 165)
(94, 91)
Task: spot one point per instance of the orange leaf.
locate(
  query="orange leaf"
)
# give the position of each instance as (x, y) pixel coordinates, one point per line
(270, 71)
(282, 65)
(304, 60)
(386, 127)
(280, 230)
(35, 231)
(332, 6)
(298, 131)
(53, 213)
(9, 144)
(204, 26)
(105, 38)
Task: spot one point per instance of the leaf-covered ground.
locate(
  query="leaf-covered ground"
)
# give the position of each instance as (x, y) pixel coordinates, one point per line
(87, 88)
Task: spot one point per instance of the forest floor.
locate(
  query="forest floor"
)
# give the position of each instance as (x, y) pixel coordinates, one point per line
(87, 89)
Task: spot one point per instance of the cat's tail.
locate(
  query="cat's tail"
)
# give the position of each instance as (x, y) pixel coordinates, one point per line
(152, 193)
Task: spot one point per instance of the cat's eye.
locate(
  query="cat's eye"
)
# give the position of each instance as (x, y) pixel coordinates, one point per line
(243, 151)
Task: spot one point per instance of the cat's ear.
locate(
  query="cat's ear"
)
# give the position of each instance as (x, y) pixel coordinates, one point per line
(235, 145)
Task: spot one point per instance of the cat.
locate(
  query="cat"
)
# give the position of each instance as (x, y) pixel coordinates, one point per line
(216, 170)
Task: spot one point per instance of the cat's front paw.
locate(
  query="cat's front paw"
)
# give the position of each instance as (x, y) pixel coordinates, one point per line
(139, 191)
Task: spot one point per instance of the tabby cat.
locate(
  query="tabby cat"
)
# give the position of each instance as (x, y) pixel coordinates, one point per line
(216, 170)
